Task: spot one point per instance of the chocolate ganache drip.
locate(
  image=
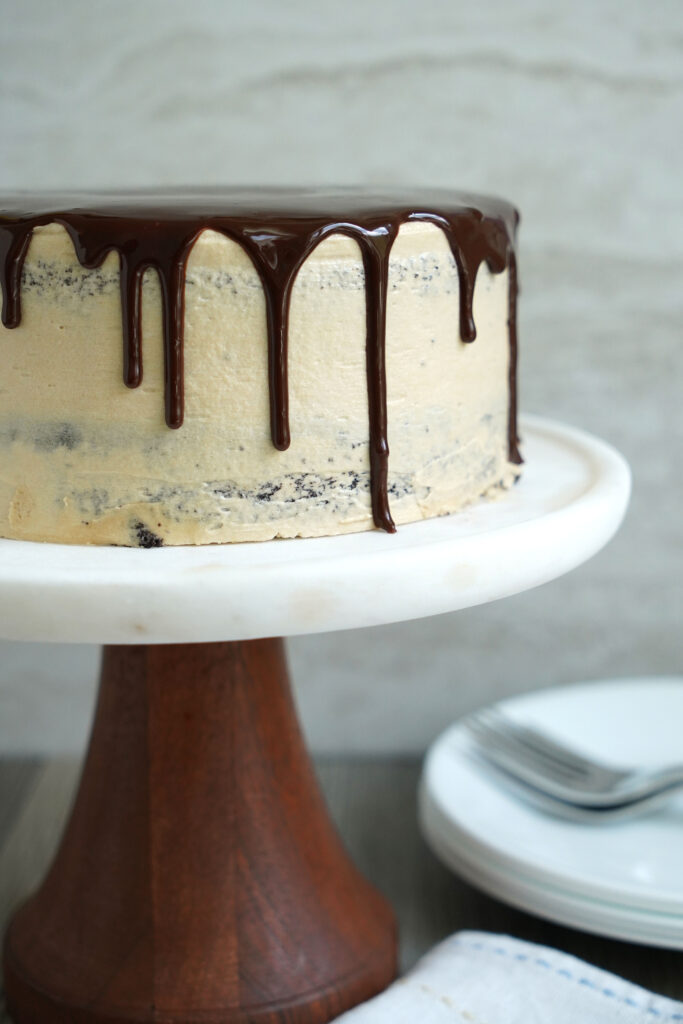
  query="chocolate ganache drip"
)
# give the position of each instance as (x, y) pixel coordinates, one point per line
(278, 229)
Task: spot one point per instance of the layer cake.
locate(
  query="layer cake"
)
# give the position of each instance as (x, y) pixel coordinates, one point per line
(200, 367)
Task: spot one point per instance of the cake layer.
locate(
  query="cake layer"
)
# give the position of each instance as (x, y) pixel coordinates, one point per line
(286, 392)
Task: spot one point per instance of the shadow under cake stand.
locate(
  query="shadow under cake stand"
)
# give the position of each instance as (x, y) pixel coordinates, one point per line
(199, 879)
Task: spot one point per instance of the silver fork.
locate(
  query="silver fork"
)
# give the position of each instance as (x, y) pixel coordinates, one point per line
(549, 769)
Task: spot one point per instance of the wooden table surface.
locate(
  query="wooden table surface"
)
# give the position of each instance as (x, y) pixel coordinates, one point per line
(373, 803)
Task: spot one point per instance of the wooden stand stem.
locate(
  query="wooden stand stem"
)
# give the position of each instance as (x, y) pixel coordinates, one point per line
(199, 879)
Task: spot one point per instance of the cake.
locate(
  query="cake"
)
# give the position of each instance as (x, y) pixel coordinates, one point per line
(200, 367)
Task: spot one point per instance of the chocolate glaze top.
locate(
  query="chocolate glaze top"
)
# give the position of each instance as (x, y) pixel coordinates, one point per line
(278, 228)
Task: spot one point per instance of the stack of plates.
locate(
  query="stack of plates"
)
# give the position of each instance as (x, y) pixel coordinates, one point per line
(618, 878)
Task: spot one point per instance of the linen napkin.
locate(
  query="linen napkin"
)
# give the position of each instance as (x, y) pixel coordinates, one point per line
(479, 978)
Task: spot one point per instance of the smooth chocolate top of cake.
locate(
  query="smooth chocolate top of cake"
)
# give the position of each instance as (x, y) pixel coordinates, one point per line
(259, 204)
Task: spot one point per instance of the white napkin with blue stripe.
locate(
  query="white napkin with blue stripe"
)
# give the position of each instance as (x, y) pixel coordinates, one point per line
(479, 978)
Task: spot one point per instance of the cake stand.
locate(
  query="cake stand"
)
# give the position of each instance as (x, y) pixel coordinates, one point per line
(199, 879)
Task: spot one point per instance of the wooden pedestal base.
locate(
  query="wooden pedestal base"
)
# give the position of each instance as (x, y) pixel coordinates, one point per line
(199, 879)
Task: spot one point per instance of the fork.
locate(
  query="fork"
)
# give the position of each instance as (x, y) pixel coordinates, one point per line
(552, 770)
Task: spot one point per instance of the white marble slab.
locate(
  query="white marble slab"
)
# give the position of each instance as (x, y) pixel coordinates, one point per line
(569, 502)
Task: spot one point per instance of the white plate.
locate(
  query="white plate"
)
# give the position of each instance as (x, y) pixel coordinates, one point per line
(632, 866)
(568, 504)
(629, 923)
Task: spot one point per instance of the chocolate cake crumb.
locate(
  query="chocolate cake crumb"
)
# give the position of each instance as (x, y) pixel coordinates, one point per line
(58, 435)
(145, 537)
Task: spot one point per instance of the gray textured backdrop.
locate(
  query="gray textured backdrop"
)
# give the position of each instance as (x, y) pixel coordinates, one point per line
(573, 111)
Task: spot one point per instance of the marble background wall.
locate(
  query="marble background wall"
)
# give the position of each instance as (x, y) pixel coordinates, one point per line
(574, 111)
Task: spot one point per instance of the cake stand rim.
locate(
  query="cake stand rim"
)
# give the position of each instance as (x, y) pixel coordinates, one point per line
(490, 550)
